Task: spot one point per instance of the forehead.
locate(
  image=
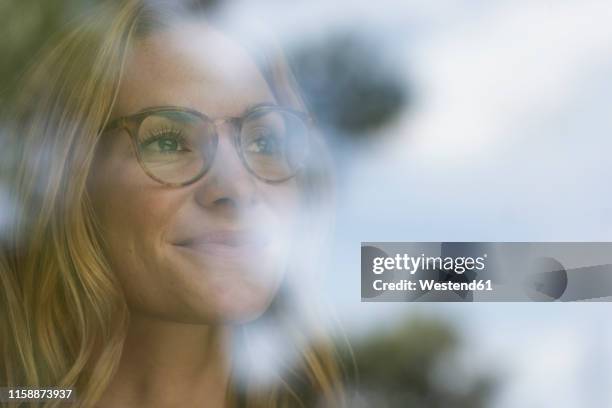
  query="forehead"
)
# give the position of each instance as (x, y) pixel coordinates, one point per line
(193, 66)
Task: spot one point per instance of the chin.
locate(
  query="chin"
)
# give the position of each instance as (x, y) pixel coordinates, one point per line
(240, 315)
(230, 298)
(231, 311)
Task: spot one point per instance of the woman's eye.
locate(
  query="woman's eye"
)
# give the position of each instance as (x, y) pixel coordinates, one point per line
(164, 144)
(265, 144)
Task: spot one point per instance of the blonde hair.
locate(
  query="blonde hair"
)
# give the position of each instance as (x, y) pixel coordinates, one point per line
(62, 312)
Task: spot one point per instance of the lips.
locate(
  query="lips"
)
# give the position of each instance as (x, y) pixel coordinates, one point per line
(226, 238)
(225, 242)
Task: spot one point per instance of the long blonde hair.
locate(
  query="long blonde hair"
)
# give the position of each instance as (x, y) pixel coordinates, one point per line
(63, 316)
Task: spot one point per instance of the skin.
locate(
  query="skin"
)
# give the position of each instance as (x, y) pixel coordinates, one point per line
(184, 300)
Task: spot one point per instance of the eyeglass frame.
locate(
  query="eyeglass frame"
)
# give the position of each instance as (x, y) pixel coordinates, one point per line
(131, 124)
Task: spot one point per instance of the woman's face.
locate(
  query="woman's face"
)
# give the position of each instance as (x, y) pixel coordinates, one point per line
(211, 251)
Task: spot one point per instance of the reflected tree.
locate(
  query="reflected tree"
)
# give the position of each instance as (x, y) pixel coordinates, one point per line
(408, 366)
(351, 83)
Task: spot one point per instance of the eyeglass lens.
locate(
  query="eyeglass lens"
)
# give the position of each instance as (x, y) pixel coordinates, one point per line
(177, 147)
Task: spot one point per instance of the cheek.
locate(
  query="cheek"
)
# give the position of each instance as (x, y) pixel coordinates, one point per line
(284, 205)
(126, 201)
(134, 222)
(284, 201)
(133, 215)
(134, 228)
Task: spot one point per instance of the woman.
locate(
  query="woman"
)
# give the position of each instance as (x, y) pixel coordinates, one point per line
(166, 186)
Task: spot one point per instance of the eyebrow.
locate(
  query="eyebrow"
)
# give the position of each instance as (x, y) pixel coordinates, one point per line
(112, 122)
(248, 109)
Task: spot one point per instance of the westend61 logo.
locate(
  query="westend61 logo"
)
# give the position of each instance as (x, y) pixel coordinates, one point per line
(412, 264)
(486, 271)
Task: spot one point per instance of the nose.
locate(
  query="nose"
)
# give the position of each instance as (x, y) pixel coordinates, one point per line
(227, 185)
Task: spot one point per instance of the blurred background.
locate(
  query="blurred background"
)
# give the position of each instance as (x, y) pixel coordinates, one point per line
(448, 121)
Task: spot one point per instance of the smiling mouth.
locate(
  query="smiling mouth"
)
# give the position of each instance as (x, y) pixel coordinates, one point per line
(225, 242)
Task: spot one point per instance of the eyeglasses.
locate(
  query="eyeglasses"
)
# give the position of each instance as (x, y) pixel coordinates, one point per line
(176, 146)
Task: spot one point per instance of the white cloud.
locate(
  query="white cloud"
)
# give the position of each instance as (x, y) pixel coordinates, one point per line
(485, 78)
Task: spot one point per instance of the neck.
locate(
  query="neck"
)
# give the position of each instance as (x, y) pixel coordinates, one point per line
(169, 364)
